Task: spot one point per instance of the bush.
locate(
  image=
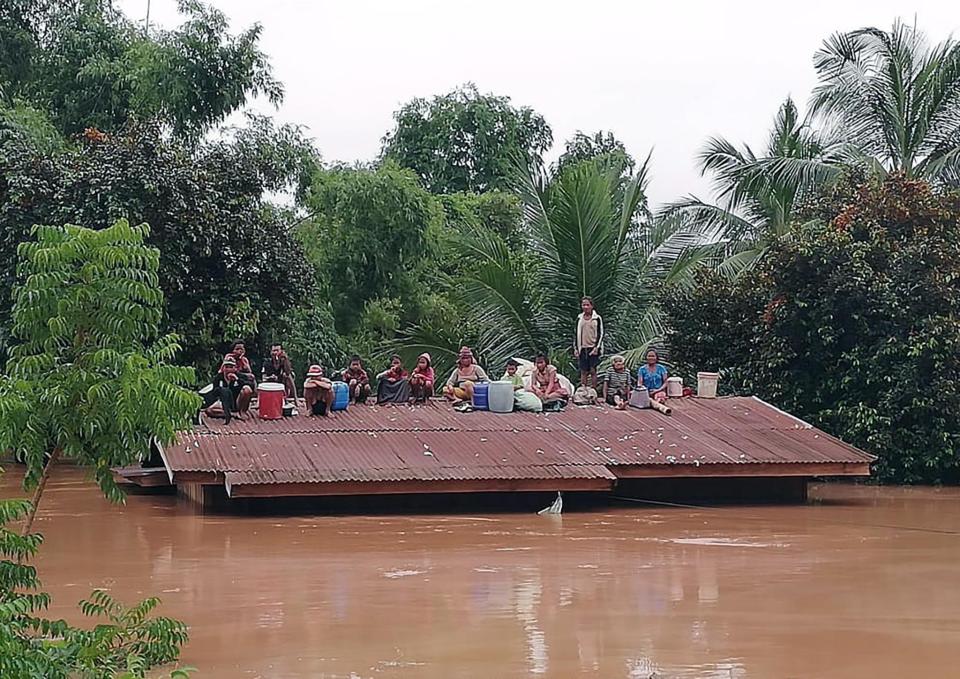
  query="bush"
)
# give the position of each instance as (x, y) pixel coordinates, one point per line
(859, 329)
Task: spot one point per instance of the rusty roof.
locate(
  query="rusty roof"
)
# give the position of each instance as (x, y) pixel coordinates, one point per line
(433, 442)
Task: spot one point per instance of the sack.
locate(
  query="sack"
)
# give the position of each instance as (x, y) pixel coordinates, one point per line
(525, 400)
(585, 396)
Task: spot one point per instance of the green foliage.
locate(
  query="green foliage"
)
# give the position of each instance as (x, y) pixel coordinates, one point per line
(22, 121)
(498, 211)
(89, 377)
(464, 140)
(715, 326)
(220, 242)
(588, 233)
(603, 146)
(89, 66)
(756, 198)
(895, 98)
(308, 335)
(126, 642)
(859, 331)
(368, 238)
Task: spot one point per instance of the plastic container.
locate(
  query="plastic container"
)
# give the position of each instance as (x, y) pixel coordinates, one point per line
(674, 387)
(500, 396)
(707, 385)
(341, 396)
(480, 396)
(640, 398)
(270, 400)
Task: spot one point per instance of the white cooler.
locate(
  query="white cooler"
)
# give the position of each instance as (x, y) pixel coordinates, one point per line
(500, 396)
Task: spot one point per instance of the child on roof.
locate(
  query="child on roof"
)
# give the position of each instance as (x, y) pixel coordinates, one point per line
(357, 380)
(421, 379)
(616, 384)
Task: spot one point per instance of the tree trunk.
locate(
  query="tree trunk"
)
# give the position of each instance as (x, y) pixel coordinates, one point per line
(35, 502)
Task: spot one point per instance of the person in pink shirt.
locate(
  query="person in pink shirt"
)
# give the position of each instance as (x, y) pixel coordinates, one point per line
(421, 379)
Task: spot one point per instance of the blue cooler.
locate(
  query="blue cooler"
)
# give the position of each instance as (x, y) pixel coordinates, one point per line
(341, 396)
(480, 391)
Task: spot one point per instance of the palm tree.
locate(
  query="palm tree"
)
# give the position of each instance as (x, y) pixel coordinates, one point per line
(751, 203)
(755, 199)
(894, 98)
(589, 233)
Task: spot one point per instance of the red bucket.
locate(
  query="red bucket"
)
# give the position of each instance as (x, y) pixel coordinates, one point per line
(270, 397)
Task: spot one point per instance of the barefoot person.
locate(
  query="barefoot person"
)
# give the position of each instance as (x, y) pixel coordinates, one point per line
(588, 343)
(616, 384)
(654, 376)
(317, 392)
(465, 375)
(235, 383)
(421, 379)
(356, 378)
(544, 383)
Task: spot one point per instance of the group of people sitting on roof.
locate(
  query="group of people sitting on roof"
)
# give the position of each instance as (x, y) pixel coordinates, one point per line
(539, 386)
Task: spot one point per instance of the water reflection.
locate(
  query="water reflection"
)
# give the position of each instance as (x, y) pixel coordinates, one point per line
(803, 591)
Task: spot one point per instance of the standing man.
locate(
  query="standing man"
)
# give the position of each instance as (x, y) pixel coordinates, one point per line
(588, 343)
(279, 370)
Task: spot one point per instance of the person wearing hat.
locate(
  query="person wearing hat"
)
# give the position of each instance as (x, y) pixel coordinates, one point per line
(317, 392)
(465, 374)
(511, 375)
(421, 379)
(234, 383)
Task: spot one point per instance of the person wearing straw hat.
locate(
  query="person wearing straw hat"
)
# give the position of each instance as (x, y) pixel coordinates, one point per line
(465, 375)
(317, 392)
(421, 379)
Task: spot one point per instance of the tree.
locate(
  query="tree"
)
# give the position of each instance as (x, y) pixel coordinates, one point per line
(604, 145)
(583, 242)
(464, 140)
(89, 66)
(368, 237)
(755, 202)
(90, 380)
(224, 248)
(496, 210)
(855, 324)
(893, 99)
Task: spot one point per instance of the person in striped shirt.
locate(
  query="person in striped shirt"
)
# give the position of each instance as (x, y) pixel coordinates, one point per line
(616, 384)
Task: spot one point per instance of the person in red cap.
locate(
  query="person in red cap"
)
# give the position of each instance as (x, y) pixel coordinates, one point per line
(459, 386)
(317, 392)
(421, 379)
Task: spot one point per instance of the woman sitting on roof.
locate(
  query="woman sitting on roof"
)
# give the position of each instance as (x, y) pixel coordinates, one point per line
(392, 385)
(544, 383)
(653, 376)
(459, 386)
(421, 380)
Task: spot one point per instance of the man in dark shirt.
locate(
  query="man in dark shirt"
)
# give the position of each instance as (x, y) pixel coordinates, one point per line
(356, 378)
(278, 369)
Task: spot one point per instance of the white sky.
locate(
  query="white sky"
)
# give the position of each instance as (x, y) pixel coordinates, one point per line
(665, 75)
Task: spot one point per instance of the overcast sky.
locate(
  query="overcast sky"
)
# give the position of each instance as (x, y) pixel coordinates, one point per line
(665, 75)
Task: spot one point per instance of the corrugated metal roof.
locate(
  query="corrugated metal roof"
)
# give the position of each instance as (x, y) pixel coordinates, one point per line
(434, 442)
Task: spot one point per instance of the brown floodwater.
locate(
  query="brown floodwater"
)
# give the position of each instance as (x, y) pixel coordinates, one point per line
(862, 582)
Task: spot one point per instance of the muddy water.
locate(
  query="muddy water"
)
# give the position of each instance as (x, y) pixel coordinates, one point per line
(825, 590)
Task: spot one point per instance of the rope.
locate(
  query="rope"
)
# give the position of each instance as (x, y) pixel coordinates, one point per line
(754, 517)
